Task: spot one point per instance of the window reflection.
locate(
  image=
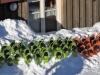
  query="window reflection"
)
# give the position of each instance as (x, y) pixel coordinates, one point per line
(50, 15)
(34, 16)
(50, 4)
(34, 7)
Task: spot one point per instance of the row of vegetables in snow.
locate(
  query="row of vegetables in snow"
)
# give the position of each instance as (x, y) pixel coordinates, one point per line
(41, 51)
(88, 46)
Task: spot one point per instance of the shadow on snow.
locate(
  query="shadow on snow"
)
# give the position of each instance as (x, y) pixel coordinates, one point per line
(68, 66)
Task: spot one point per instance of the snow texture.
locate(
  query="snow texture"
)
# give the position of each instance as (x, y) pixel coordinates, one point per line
(11, 29)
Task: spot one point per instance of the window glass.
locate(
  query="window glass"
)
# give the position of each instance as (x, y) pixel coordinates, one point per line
(34, 16)
(50, 15)
(50, 4)
(34, 7)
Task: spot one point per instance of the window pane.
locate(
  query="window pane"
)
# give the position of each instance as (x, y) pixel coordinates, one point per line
(50, 15)
(50, 4)
(34, 16)
(34, 7)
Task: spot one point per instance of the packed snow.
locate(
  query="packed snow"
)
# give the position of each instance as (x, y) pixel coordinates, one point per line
(18, 29)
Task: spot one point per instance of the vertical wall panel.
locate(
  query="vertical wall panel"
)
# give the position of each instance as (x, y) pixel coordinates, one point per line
(95, 11)
(89, 13)
(76, 13)
(99, 9)
(82, 13)
(64, 13)
(69, 14)
(24, 10)
(19, 10)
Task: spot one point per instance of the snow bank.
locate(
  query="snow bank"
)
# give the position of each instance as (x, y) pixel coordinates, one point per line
(18, 29)
(15, 30)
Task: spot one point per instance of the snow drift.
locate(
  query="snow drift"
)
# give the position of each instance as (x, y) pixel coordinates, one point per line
(18, 29)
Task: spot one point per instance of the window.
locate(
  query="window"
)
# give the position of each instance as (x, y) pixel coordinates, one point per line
(44, 15)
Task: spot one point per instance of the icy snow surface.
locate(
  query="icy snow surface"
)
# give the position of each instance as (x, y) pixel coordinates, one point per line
(17, 30)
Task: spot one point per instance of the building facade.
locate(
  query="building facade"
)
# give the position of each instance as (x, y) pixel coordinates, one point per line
(52, 15)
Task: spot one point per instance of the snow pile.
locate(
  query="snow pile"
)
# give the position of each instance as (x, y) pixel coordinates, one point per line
(17, 30)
